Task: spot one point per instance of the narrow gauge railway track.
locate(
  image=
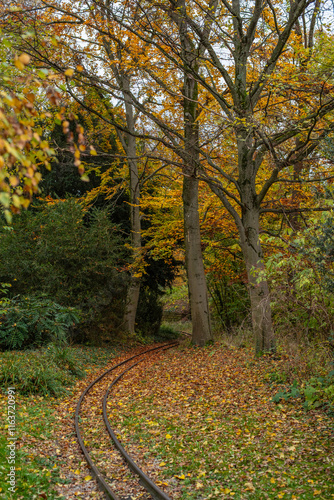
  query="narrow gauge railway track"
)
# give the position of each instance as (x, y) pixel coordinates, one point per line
(144, 480)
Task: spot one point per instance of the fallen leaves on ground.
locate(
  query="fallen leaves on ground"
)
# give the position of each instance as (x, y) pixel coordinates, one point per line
(201, 423)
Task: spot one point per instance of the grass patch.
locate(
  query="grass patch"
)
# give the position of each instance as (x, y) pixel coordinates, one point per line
(38, 463)
(37, 471)
(47, 371)
(167, 332)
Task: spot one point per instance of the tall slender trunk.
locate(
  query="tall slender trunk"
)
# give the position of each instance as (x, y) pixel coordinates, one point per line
(249, 231)
(131, 151)
(263, 330)
(197, 288)
(129, 145)
(198, 295)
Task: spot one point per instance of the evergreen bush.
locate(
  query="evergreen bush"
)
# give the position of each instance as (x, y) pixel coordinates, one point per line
(32, 322)
(73, 256)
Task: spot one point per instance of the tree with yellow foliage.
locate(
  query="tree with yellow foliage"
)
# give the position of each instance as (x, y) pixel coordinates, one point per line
(26, 93)
(251, 92)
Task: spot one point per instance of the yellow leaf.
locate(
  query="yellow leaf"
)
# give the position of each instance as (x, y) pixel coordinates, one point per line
(16, 201)
(77, 472)
(168, 436)
(19, 64)
(24, 59)
(25, 202)
(181, 477)
(249, 486)
(162, 464)
(80, 68)
(272, 480)
(88, 478)
(69, 72)
(13, 180)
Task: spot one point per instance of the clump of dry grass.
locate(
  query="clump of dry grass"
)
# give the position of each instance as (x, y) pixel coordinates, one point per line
(301, 359)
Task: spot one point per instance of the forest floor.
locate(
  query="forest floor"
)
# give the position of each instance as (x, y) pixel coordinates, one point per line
(200, 422)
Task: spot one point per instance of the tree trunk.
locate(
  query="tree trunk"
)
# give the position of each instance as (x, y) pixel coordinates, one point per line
(131, 152)
(197, 288)
(132, 300)
(134, 288)
(198, 295)
(264, 336)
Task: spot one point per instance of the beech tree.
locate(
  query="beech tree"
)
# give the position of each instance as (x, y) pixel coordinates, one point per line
(230, 68)
(249, 98)
(200, 314)
(103, 39)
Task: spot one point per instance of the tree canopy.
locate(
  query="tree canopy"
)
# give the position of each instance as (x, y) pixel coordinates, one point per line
(236, 98)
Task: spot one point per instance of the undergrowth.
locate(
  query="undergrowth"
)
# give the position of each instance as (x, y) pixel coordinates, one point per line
(34, 321)
(305, 370)
(47, 371)
(38, 463)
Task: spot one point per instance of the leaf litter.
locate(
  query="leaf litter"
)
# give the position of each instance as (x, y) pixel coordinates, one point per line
(201, 423)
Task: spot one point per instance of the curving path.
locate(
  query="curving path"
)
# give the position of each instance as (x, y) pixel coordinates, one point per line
(104, 391)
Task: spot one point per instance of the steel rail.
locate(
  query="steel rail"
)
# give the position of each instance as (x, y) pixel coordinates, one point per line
(99, 477)
(145, 481)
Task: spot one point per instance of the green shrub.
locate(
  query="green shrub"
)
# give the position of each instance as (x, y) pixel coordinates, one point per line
(301, 279)
(47, 372)
(227, 282)
(71, 254)
(300, 304)
(31, 322)
(149, 312)
(231, 301)
(316, 392)
(64, 358)
(319, 391)
(166, 332)
(157, 277)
